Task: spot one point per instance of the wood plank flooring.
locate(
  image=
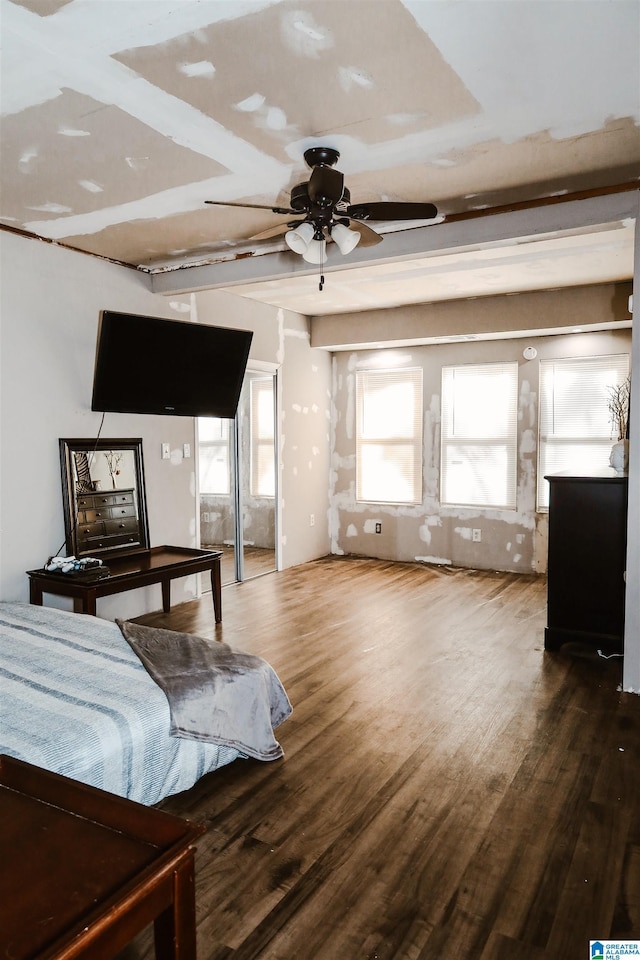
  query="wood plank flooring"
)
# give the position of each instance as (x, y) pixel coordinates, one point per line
(449, 790)
(257, 561)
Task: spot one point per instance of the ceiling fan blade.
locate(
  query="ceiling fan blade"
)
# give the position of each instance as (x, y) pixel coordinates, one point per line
(392, 211)
(326, 186)
(275, 231)
(368, 237)
(253, 206)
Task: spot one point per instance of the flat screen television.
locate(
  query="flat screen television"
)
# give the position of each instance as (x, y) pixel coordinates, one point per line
(169, 367)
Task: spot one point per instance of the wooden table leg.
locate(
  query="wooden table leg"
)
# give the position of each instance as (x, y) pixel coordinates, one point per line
(175, 928)
(216, 589)
(88, 602)
(166, 595)
(35, 593)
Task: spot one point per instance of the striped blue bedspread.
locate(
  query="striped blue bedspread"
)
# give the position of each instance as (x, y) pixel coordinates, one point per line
(75, 699)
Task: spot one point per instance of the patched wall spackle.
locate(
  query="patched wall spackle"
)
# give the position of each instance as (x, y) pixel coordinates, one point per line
(502, 118)
(513, 540)
(91, 186)
(305, 448)
(424, 531)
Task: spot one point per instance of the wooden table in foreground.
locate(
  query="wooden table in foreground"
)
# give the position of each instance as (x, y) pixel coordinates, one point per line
(84, 871)
(157, 565)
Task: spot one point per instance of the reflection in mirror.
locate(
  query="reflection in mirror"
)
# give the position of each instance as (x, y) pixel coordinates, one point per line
(258, 471)
(237, 482)
(217, 498)
(103, 495)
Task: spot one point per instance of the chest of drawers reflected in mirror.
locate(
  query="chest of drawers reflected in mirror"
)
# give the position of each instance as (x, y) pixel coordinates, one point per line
(103, 496)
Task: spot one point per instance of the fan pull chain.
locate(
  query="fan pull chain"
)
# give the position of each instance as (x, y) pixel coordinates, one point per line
(321, 284)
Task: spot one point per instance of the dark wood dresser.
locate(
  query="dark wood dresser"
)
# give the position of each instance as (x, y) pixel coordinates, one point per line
(107, 519)
(587, 560)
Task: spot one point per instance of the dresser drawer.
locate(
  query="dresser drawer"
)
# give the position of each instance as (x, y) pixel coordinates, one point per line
(127, 525)
(125, 497)
(122, 510)
(88, 531)
(131, 538)
(94, 516)
(94, 501)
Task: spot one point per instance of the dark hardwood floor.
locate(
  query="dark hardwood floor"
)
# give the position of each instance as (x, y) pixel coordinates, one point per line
(449, 790)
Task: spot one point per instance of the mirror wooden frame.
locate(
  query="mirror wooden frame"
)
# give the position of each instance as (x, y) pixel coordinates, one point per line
(101, 518)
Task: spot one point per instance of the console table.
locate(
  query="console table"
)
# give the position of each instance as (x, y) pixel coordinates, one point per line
(84, 871)
(157, 565)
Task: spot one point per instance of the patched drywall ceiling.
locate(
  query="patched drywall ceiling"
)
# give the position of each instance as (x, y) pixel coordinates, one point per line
(121, 117)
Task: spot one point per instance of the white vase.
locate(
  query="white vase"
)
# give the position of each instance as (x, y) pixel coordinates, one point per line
(619, 458)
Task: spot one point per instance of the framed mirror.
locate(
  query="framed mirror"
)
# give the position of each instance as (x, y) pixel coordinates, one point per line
(105, 509)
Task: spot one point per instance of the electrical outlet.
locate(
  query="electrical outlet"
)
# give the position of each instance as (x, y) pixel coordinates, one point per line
(166, 451)
(206, 517)
(186, 450)
(378, 528)
(312, 520)
(476, 535)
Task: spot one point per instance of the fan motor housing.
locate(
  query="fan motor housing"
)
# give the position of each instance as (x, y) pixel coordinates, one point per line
(300, 198)
(301, 203)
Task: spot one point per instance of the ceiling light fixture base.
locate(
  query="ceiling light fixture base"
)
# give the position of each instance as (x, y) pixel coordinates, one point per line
(316, 156)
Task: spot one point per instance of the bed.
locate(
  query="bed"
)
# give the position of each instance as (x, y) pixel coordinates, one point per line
(75, 699)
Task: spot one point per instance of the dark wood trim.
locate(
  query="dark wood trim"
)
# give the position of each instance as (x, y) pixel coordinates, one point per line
(543, 202)
(28, 235)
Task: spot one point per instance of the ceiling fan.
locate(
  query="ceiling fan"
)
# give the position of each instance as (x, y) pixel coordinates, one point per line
(325, 204)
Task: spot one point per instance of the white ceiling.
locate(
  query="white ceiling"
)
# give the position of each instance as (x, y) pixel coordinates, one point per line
(121, 117)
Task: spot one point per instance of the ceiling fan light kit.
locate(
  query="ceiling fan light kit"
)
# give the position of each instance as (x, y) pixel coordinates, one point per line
(315, 252)
(346, 239)
(299, 239)
(325, 203)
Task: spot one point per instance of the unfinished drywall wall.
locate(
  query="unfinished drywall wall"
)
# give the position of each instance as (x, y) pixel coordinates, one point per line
(282, 339)
(511, 540)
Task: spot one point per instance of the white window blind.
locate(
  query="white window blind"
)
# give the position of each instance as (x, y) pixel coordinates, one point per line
(389, 436)
(479, 435)
(262, 438)
(575, 429)
(213, 456)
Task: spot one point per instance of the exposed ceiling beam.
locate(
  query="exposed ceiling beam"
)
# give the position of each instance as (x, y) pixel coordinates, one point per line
(490, 229)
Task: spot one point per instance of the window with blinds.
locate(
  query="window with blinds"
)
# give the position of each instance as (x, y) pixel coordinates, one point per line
(479, 435)
(389, 436)
(213, 456)
(262, 437)
(574, 426)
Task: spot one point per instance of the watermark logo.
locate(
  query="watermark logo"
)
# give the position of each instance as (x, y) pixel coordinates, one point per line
(614, 949)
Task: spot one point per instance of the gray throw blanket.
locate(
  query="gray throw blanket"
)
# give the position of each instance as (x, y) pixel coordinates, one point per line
(215, 694)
